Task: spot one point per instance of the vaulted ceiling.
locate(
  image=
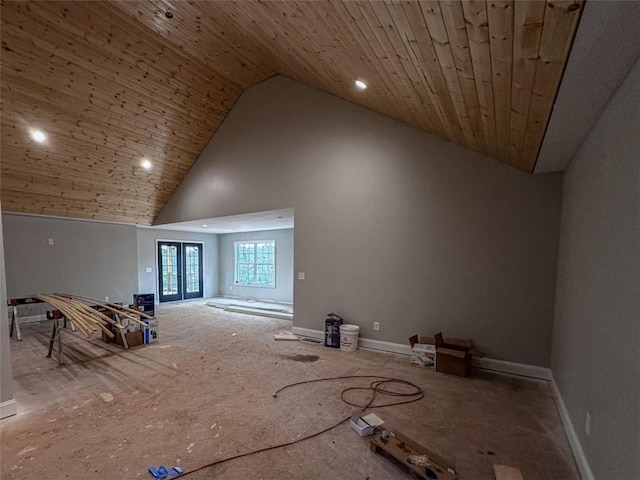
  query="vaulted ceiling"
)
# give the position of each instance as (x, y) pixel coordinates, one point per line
(114, 83)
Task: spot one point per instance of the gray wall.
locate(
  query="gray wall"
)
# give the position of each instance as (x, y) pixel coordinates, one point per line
(392, 224)
(87, 258)
(6, 383)
(284, 266)
(148, 283)
(596, 335)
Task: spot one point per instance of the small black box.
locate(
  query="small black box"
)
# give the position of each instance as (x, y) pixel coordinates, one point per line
(145, 302)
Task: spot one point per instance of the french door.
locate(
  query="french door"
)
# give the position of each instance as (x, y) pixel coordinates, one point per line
(179, 270)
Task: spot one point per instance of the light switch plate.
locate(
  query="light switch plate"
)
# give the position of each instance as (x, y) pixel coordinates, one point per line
(300, 275)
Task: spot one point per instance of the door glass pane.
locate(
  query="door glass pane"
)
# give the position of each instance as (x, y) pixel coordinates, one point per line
(192, 266)
(169, 269)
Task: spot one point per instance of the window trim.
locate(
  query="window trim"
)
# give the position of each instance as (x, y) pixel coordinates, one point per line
(235, 263)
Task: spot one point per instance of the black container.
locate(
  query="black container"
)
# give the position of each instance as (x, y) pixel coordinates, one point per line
(145, 302)
(332, 331)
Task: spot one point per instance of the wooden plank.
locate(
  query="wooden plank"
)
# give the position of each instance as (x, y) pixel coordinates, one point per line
(528, 20)
(88, 310)
(560, 22)
(267, 20)
(440, 38)
(401, 448)
(500, 17)
(95, 53)
(424, 105)
(369, 25)
(203, 30)
(27, 96)
(341, 33)
(72, 191)
(118, 178)
(424, 51)
(504, 472)
(401, 31)
(81, 322)
(126, 311)
(24, 201)
(453, 17)
(365, 39)
(475, 15)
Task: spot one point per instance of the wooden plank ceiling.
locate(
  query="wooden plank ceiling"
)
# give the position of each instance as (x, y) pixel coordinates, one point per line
(114, 83)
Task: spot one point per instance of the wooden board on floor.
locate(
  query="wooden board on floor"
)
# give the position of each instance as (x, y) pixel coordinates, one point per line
(504, 472)
(401, 447)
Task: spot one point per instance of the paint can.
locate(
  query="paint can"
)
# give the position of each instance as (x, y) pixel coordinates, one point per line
(332, 330)
(349, 337)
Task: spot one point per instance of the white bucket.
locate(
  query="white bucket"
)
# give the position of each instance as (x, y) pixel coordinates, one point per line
(349, 337)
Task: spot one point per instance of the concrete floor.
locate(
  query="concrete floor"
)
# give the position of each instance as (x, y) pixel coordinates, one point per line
(205, 392)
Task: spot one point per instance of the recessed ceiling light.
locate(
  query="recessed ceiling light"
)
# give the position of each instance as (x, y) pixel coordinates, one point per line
(361, 85)
(204, 225)
(146, 164)
(38, 136)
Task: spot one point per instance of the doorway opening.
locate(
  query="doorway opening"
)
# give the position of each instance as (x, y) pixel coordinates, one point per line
(180, 275)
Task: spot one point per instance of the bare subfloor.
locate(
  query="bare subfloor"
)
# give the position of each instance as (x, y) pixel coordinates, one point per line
(205, 392)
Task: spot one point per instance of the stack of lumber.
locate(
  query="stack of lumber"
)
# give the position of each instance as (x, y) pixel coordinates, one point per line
(87, 319)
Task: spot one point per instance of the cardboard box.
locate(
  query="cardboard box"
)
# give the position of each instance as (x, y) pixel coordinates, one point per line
(361, 426)
(423, 351)
(365, 425)
(454, 355)
(133, 338)
(150, 332)
(451, 355)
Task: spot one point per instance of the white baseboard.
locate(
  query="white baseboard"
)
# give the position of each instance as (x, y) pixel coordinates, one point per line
(492, 364)
(385, 346)
(513, 368)
(576, 448)
(8, 408)
(307, 332)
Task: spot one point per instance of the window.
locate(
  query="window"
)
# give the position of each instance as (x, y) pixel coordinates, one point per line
(256, 263)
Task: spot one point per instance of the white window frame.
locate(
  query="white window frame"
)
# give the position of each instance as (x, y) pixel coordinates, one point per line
(235, 263)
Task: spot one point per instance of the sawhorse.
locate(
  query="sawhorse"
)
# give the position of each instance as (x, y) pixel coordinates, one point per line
(14, 323)
(15, 319)
(56, 338)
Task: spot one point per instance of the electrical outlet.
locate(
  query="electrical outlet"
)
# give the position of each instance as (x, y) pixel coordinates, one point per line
(149, 270)
(230, 287)
(50, 241)
(106, 298)
(587, 423)
(376, 326)
(300, 275)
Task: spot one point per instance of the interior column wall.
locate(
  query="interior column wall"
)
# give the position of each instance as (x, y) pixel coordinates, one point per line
(596, 335)
(6, 381)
